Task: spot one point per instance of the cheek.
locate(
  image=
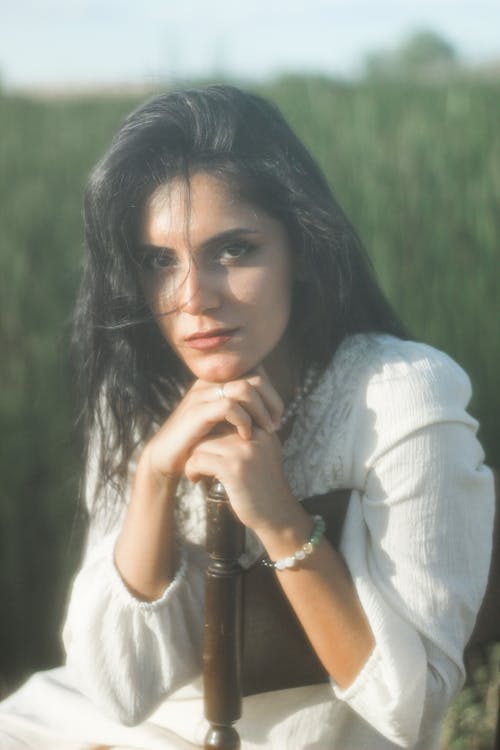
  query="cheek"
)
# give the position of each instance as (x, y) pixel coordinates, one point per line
(263, 288)
(160, 291)
(277, 294)
(162, 312)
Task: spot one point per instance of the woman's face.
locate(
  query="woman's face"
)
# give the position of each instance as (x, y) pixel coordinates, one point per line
(217, 272)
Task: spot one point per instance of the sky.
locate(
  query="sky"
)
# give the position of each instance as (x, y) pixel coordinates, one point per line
(65, 43)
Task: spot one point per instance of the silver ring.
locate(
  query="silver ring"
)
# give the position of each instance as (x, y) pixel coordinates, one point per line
(220, 391)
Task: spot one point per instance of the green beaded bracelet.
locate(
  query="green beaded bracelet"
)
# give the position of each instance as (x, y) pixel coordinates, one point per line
(307, 549)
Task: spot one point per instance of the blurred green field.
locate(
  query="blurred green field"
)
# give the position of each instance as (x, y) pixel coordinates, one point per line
(417, 169)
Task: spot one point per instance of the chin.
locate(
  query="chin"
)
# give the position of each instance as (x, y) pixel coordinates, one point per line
(221, 370)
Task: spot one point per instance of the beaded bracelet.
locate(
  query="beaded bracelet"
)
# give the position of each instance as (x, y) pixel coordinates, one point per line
(301, 554)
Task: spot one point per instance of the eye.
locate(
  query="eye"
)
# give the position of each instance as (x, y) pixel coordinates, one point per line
(154, 261)
(235, 251)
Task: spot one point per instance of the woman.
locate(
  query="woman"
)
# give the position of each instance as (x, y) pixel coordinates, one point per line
(230, 327)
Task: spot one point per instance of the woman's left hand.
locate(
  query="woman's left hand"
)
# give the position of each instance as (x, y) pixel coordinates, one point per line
(252, 474)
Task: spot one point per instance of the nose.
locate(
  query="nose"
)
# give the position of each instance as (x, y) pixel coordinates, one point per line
(199, 290)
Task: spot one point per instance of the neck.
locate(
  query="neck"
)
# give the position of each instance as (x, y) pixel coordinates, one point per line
(282, 370)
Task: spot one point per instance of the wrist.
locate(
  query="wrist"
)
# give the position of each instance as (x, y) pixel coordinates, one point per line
(301, 554)
(286, 534)
(153, 481)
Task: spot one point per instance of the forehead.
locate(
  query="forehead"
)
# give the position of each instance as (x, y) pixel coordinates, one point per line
(196, 209)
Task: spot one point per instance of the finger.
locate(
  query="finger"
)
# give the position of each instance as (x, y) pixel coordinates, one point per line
(230, 411)
(260, 397)
(273, 400)
(227, 442)
(250, 398)
(203, 464)
(255, 393)
(240, 419)
(258, 380)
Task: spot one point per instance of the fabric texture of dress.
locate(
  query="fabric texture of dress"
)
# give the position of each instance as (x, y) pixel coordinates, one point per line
(388, 420)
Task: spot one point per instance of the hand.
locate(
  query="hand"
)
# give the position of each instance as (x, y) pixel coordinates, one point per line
(250, 402)
(252, 474)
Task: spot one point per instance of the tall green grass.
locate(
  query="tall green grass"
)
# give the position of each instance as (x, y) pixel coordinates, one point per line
(46, 151)
(416, 168)
(418, 171)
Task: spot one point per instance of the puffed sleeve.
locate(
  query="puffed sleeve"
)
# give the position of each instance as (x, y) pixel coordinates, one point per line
(417, 539)
(127, 654)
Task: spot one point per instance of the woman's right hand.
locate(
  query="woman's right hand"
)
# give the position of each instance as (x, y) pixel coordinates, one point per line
(247, 401)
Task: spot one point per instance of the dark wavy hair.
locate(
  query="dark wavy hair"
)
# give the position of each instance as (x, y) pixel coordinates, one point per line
(130, 377)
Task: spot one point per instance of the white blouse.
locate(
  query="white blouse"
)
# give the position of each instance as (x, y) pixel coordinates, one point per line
(388, 420)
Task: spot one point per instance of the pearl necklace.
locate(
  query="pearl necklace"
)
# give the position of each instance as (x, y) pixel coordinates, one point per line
(291, 410)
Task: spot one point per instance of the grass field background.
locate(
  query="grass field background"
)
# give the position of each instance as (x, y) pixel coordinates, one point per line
(417, 169)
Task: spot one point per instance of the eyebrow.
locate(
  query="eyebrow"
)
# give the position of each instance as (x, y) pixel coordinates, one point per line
(216, 239)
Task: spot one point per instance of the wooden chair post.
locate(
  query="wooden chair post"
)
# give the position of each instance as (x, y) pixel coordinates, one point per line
(223, 622)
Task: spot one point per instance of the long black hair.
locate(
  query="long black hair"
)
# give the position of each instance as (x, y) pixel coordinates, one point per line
(130, 377)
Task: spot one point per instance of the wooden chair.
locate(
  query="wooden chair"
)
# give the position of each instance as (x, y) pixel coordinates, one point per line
(231, 671)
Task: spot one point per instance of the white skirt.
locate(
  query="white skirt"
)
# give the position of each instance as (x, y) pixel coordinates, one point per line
(49, 713)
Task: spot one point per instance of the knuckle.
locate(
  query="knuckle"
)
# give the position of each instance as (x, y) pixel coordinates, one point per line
(240, 390)
(256, 381)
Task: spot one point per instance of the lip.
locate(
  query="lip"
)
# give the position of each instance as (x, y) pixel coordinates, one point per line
(210, 339)
(211, 333)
